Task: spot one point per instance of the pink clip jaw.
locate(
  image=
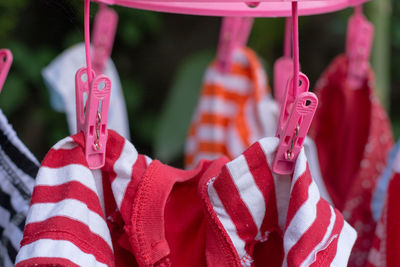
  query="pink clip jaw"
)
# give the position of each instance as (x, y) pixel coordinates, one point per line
(105, 26)
(81, 96)
(358, 49)
(96, 121)
(6, 59)
(92, 116)
(297, 112)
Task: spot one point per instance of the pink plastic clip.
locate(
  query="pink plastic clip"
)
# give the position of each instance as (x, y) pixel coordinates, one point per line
(95, 112)
(6, 59)
(96, 121)
(105, 26)
(297, 110)
(293, 136)
(234, 32)
(81, 96)
(290, 97)
(360, 33)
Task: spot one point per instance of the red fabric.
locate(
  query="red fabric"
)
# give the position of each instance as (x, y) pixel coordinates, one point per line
(393, 222)
(353, 137)
(168, 219)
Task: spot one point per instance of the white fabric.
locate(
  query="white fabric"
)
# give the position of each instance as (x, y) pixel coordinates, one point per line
(60, 79)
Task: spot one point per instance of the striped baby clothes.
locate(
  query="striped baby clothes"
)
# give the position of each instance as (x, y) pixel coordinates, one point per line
(353, 137)
(275, 220)
(18, 168)
(73, 218)
(386, 246)
(234, 110)
(139, 212)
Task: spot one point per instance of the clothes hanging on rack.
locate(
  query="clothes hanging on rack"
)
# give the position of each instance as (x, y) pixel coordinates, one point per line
(252, 203)
(161, 215)
(353, 137)
(59, 77)
(18, 168)
(234, 110)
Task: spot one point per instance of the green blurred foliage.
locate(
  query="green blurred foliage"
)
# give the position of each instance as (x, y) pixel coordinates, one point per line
(160, 59)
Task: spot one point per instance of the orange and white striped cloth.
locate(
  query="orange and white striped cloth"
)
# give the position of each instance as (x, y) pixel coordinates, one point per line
(277, 220)
(235, 109)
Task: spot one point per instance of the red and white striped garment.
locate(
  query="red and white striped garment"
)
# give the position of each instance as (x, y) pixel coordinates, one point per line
(386, 246)
(139, 212)
(66, 223)
(354, 137)
(234, 110)
(263, 212)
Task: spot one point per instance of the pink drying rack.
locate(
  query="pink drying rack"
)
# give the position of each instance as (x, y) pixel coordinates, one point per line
(262, 8)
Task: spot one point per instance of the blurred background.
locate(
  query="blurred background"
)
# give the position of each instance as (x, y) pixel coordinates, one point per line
(161, 60)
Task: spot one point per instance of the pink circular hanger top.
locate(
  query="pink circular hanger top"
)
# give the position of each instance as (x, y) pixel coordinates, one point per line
(263, 8)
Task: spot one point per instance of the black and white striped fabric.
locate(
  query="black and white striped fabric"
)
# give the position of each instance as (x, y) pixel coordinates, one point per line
(18, 168)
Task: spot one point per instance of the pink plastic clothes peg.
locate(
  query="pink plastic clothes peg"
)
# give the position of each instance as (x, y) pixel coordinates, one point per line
(96, 121)
(360, 34)
(6, 59)
(104, 29)
(234, 32)
(297, 110)
(283, 67)
(295, 121)
(95, 112)
(237, 8)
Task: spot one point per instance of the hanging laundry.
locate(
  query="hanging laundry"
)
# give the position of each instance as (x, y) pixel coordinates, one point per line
(253, 205)
(59, 77)
(386, 246)
(235, 109)
(353, 137)
(18, 168)
(139, 211)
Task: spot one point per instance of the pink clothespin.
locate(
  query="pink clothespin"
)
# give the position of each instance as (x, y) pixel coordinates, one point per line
(6, 59)
(360, 34)
(92, 116)
(297, 111)
(295, 119)
(234, 32)
(96, 121)
(104, 29)
(283, 67)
